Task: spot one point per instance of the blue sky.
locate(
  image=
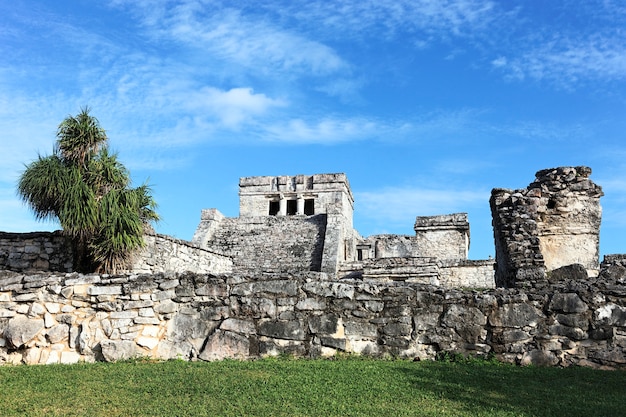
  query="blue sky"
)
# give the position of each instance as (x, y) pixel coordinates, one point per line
(426, 105)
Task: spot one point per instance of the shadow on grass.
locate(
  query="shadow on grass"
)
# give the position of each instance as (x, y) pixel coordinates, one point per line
(482, 387)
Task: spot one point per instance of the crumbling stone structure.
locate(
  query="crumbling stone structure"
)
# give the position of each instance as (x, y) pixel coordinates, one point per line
(67, 318)
(305, 223)
(292, 276)
(553, 223)
(52, 251)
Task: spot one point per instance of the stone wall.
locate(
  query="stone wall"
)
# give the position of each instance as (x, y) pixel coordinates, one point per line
(165, 254)
(51, 251)
(66, 318)
(443, 236)
(467, 273)
(552, 223)
(268, 243)
(38, 251)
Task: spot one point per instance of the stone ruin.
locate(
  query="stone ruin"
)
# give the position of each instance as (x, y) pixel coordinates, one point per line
(291, 275)
(553, 223)
(306, 223)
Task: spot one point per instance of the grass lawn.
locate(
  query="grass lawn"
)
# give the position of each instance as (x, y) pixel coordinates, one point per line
(283, 387)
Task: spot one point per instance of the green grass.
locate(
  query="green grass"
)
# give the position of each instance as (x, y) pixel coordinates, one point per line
(281, 387)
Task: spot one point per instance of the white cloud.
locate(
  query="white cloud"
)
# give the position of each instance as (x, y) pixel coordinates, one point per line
(567, 62)
(234, 106)
(249, 41)
(324, 131)
(440, 17)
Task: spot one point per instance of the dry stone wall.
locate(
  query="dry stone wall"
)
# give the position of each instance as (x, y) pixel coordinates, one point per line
(66, 318)
(554, 222)
(270, 243)
(51, 251)
(40, 251)
(165, 254)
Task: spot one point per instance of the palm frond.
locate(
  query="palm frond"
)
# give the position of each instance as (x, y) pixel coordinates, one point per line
(42, 186)
(105, 172)
(80, 137)
(79, 214)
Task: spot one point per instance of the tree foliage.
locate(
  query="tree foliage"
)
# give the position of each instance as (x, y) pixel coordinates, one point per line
(85, 187)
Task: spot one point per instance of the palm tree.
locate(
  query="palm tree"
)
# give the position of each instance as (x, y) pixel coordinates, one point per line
(86, 188)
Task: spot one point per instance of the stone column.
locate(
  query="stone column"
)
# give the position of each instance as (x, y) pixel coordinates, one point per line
(300, 209)
(283, 206)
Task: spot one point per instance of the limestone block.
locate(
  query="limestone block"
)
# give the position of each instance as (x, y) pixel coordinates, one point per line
(128, 314)
(573, 333)
(53, 357)
(32, 356)
(360, 329)
(283, 287)
(58, 333)
(238, 326)
(426, 320)
(5, 313)
(146, 312)
(105, 290)
(117, 350)
(21, 330)
(515, 315)
(539, 358)
(289, 330)
(25, 297)
(568, 303)
(53, 308)
(68, 358)
(151, 331)
(184, 327)
(611, 314)
(327, 324)
(311, 304)
(147, 342)
(36, 309)
(166, 307)
(224, 344)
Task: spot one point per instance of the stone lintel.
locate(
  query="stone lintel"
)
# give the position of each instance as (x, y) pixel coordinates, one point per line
(456, 221)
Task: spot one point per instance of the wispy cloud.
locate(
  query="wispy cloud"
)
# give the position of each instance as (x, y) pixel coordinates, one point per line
(246, 40)
(442, 18)
(566, 62)
(400, 205)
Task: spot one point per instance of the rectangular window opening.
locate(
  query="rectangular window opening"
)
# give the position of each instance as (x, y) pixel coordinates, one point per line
(309, 206)
(274, 208)
(292, 207)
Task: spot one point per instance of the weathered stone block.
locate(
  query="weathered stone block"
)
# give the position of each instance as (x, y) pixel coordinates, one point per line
(611, 314)
(568, 303)
(289, 330)
(515, 315)
(224, 344)
(361, 329)
(21, 330)
(539, 358)
(105, 290)
(117, 350)
(238, 326)
(58, 333)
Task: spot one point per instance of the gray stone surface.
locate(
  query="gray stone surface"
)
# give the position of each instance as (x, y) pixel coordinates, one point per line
(21, 330)
(118, 350)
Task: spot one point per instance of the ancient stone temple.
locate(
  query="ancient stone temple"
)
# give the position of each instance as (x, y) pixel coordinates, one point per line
(553, 223)
(305, 222)
(290, 275)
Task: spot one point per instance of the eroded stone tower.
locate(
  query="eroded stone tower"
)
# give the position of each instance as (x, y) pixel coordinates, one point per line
(553, 223)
